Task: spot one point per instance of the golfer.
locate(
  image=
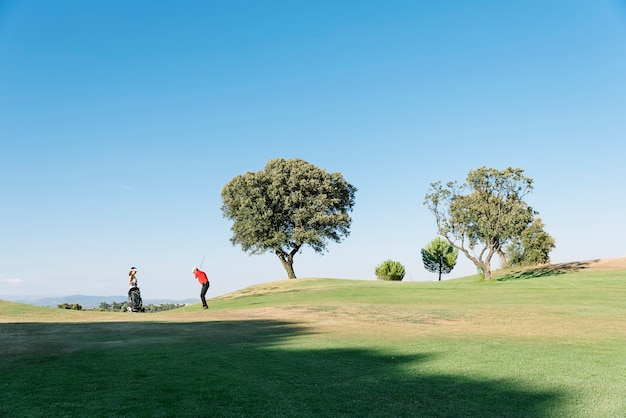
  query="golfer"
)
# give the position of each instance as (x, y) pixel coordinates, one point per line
(132, 277)
(204, 281)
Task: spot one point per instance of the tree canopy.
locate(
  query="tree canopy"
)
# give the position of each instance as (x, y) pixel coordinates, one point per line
(487, 211)
(439, 256)
(289, 204)
(532, 247)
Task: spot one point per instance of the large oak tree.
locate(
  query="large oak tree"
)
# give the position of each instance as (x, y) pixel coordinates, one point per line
(484, 214)
(289, 204)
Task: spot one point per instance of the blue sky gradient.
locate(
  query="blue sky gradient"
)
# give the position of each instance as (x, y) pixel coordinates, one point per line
(120, 122)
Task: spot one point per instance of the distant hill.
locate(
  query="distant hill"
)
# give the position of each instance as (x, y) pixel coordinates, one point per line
(87, 301)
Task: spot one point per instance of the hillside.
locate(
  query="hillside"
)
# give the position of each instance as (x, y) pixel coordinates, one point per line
(531, 298)
(542, 342)
(597, 264)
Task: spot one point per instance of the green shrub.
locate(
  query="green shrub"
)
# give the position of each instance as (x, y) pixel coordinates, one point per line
(73, 306)
(390, 270)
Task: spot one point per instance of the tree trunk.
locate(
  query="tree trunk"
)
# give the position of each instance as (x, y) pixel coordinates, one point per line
(484, 266)
(289, 268)
(486, 271)
(287, 261)
(504, 263)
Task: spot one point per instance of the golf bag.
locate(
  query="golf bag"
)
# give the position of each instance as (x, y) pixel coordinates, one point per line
(134, 300)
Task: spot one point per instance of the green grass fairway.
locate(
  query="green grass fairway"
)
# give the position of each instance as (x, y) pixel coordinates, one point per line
(536, 343)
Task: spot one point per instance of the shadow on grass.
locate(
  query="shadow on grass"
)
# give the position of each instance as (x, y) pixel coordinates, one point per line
(251, 368)
(543, 271)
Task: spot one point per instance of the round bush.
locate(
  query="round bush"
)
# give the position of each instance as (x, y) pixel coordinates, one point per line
(390, 270)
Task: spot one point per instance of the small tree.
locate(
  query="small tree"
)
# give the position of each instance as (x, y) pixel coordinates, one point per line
(439, 256)
(390, 270)
(290, 204)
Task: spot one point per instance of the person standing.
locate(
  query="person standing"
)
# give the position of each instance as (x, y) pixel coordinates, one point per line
(132, 277)
(204, 281)
(134, 296)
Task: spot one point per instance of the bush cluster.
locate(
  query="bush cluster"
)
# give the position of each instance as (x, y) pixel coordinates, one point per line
(73, 306)
(123, 307)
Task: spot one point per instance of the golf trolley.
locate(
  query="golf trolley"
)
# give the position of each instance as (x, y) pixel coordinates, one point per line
(134, 300)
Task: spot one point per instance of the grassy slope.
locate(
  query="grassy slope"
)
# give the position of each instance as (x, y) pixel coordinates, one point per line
(529, 344)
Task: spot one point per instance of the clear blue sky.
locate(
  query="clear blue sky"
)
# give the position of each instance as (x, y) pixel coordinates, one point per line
(121, 121)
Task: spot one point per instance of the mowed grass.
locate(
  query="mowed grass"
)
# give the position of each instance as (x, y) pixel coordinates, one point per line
(529, 344)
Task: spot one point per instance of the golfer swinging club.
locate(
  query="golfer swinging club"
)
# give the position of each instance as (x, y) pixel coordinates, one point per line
(204, 281)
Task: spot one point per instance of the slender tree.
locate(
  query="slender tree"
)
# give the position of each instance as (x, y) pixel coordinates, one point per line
(289, 204)
(439, 256)
(487, 211)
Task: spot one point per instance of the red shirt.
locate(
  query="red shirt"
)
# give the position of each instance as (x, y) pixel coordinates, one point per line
(201, 276)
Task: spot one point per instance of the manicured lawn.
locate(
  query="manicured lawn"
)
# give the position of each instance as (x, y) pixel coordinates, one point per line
(543, 345)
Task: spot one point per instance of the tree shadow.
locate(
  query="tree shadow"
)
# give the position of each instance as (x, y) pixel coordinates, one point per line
(246, 368)
(545, 270)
